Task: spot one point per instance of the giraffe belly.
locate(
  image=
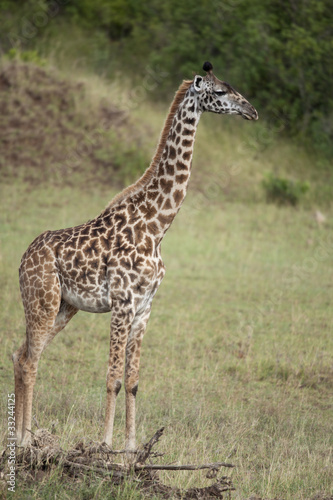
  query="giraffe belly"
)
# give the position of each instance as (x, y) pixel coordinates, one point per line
(94, 301)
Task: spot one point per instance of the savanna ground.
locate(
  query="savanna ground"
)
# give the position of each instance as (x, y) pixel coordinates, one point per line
(237, 359)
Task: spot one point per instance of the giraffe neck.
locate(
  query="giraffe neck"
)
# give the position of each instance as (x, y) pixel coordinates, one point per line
(167, 189)
(163, 195)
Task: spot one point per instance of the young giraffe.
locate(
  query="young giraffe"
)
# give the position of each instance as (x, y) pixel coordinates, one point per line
(113, 262)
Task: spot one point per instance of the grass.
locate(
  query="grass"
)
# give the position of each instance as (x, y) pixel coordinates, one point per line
(227, 381)
(237, 360)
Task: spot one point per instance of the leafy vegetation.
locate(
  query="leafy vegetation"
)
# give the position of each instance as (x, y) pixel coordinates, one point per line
(284, 191)
(279, 52)
(89, 131)
(28, 56)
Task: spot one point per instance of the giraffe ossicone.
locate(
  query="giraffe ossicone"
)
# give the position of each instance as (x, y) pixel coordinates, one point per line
(207, 66)
(113, 262)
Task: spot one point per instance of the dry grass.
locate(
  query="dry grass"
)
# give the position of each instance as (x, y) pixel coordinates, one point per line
(226, 387)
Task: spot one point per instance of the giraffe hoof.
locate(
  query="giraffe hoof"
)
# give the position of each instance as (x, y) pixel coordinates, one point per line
(102, 447)
(25, 442)
(130, 458)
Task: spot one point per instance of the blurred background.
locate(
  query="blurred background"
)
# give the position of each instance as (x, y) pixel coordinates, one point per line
(278, 53)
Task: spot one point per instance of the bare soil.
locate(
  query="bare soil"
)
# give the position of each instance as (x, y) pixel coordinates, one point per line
(50, 130)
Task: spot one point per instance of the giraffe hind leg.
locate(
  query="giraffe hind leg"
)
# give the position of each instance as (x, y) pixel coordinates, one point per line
(19, 392)
(25, 369)
(46, 314)
(65, 314)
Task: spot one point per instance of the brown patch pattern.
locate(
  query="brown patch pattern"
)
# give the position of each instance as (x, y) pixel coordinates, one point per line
(113, 262)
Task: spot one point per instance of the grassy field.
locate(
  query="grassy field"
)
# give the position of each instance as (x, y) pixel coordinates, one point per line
(237, 362)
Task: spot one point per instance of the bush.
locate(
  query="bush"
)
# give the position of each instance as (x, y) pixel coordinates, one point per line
(281, 59)
(28, 56)
(284, 191)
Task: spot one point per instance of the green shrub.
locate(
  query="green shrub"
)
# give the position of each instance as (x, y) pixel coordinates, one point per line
(281, 59)
(28, 56)
(283, 191)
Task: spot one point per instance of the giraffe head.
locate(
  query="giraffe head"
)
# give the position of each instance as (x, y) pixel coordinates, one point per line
(219, 97)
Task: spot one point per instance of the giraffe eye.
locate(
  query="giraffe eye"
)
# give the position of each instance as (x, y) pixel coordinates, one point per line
(220, 92)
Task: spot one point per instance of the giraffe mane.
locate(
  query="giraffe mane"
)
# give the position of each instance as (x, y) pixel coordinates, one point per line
(151, 170)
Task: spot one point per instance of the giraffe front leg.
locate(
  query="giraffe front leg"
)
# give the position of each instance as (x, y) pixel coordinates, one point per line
(120, 328)
(133, 350)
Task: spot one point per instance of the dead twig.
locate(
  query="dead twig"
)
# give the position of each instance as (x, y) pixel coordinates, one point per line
(45, 452)
(105, 472)
(214, 466)
(144, 454)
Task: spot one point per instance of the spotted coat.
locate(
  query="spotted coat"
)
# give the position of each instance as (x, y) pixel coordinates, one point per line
(113, 262)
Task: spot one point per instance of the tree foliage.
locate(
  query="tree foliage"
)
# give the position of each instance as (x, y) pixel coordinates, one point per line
(279, 53)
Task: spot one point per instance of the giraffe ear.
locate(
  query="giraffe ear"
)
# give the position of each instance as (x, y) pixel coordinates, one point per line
(197, 83)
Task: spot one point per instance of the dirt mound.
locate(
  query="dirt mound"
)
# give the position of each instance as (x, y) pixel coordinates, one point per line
(50, 130)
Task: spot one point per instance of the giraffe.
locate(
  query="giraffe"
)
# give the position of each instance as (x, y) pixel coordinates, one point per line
(113, 262)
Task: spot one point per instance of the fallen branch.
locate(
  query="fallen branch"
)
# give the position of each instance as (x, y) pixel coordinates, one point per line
(144, 454)
(45, 452)
(105, 472)
(215, 466)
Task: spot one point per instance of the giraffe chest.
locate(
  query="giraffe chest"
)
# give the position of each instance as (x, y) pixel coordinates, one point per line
(136, 286)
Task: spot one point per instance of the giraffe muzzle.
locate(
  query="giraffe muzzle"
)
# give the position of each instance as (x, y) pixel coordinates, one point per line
(250, 114)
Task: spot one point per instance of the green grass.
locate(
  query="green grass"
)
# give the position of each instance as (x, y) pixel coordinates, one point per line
(227, 381)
